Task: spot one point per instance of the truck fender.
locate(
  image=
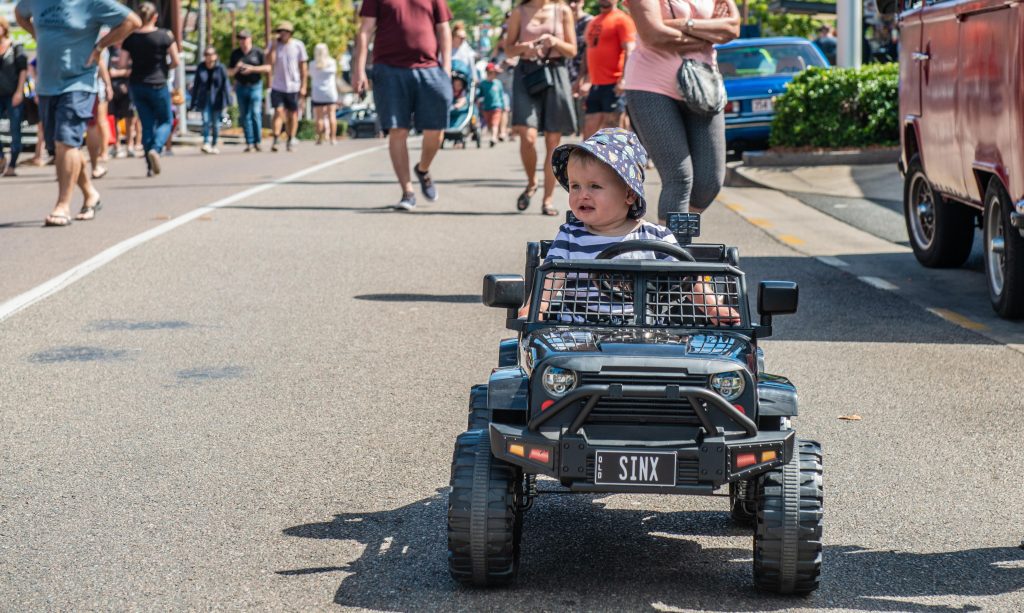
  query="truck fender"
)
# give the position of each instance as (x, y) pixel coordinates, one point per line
(508, 388)
(508, 352)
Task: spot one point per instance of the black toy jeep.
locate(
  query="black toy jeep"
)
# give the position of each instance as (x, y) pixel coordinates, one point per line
(621, 380)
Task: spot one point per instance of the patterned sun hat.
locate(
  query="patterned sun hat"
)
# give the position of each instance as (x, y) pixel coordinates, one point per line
(618, 148)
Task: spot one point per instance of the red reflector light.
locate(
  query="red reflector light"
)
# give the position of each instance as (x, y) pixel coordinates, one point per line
(730, 107)
(739, 407)
(539, 455)
(744, 460)
(544, 406)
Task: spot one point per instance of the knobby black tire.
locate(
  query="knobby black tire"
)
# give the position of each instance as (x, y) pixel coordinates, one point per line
(787, 538)
(484, 514)
(479, 414)
(954, 224)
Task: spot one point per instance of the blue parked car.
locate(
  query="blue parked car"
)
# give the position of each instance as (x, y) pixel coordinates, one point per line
(756, 70)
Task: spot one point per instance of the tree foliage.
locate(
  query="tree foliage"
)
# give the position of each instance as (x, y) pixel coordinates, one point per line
(332, 22)
(777, 23)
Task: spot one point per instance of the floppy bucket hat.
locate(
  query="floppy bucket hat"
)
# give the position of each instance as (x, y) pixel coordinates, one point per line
(285, 25)
(618, 148)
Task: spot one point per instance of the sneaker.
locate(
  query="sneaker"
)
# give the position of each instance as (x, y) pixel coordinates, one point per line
(214, 151)
(291, 144)
(153, 159)
(257, 147)
(247, 149)
(131, 153)
(273, 146)
(407, 203)
(426, 184)
(121, 154)
(206, 148)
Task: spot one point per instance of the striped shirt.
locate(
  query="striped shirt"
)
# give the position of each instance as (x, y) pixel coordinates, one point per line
(575, 242)
(597, 298)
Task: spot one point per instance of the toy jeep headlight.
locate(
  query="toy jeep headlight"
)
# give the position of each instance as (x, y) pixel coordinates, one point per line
(729, 384)
(558, 381)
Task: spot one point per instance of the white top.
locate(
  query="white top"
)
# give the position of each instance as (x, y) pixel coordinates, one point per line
(325, 83)
(287, 59)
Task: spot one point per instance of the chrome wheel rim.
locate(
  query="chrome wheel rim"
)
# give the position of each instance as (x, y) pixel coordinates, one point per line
(995, 245)
(922, 214)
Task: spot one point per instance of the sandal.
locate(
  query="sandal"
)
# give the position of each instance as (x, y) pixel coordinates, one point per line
(550, 211)
(51, 220)
(90, 211)
(523, 202)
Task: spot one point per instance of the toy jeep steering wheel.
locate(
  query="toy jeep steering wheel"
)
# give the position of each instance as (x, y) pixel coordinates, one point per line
(647, 245)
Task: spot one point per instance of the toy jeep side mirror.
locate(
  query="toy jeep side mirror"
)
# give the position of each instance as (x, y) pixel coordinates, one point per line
(775, 298)
(504, 291)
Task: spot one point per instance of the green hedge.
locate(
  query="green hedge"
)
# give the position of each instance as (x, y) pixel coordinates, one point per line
(839, 107)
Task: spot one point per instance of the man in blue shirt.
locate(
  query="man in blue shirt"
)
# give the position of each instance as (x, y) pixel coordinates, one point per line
(66, 33)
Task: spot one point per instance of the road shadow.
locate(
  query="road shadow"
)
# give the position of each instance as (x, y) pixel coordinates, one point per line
(389, 209)
(578, 554)
(15, 225)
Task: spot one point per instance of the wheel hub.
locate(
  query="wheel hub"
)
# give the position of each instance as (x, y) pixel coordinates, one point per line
(995, 245)
(923, 218)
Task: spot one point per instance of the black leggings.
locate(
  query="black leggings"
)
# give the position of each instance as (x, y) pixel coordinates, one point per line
(688, 150)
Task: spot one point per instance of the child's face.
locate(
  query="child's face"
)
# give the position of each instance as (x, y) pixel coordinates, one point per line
(457, 86)
(597, 195)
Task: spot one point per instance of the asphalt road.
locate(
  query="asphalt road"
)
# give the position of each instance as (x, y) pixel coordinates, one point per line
(257, 409)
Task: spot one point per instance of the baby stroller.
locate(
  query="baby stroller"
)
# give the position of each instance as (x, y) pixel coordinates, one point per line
(464, 120)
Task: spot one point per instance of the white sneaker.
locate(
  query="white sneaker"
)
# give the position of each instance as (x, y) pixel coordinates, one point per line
(121, 154)
(206, 148)
(214, 151)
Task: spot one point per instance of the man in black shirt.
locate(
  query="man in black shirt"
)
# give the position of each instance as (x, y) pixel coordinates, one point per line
(248, 64)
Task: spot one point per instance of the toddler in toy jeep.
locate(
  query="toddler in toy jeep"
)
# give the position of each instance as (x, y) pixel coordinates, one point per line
(604, 176)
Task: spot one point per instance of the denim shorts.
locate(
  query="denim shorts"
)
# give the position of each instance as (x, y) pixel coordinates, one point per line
(408, 96)
(602, 99)
(64, 117)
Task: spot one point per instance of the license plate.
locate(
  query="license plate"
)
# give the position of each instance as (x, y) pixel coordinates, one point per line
(635, 468)
(762, 105)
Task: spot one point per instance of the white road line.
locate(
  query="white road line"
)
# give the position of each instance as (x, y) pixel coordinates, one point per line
(879, 283)
(68, 277)
(832, 261)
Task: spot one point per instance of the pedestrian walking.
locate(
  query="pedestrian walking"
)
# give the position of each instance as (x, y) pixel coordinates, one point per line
(583, 19)
(412, 67)
(323, 73)
(66, 33)
(287, 58)
(151, 53)
(492, 102)
(97, 134)
(543, 35)
(688, 148)
(826, 43)
(247, 66)
(120, 105)
(462, 51)
(211, 94)
(610, 38)
(13, 73)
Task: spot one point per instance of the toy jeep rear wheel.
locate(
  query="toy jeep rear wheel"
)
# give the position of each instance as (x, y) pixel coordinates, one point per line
(787, 539)
(1004, 254)
(479, 414)
(485, 514)
(940, 231)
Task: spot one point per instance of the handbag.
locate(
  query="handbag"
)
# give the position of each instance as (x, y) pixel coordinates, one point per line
(700, 84)
(538, 76)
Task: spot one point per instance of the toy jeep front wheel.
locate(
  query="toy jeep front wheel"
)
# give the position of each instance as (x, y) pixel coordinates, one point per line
(485, 514)
(787, 539)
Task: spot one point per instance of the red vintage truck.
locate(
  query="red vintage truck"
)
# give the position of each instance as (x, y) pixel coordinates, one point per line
(962, 117)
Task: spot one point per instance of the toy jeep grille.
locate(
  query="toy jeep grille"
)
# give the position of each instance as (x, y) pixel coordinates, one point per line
(643, 410)
(666, 299)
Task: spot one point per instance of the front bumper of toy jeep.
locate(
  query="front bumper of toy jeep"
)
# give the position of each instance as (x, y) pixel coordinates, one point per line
(710, 458)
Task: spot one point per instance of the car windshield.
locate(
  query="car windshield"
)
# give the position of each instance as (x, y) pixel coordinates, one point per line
(766, 60)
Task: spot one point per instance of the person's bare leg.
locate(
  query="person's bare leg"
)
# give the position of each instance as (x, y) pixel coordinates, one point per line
(102, 113)
(398, 147)
(611, 120)
(431, 144)
(332, 122)
(89, 193)
(592, 122)
(528, 154)
(69, 166)
(551, 141)
(293, 123)
(278, 122)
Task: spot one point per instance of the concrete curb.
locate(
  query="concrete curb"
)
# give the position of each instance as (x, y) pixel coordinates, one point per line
(851, 157)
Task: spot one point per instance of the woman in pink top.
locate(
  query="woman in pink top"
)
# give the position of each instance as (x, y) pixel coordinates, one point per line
(688, 150)
(539, 31)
